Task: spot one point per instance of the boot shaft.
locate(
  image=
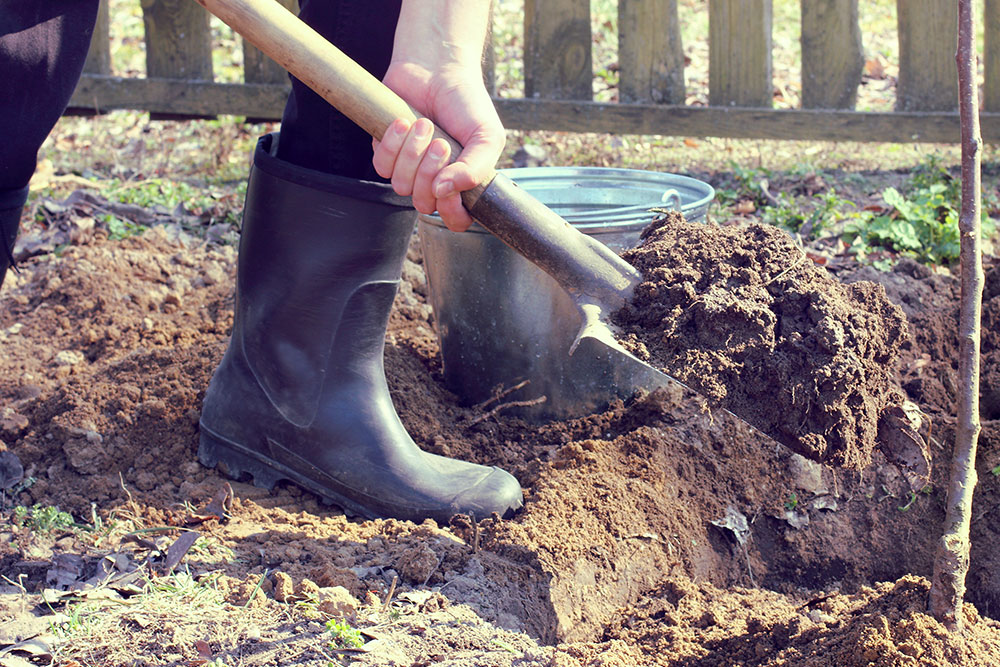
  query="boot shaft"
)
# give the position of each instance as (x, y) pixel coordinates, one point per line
(11, 203)
(317, 253)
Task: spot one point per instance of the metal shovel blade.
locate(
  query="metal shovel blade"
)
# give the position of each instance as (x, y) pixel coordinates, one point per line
(597, 280)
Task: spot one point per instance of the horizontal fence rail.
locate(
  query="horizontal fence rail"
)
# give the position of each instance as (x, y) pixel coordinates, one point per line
(558, 72)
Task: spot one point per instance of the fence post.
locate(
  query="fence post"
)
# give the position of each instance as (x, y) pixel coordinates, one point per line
(99, 55)
(739, 53)
(178, 40)
(928, 35)
(557, 58)
(832, 56)
(991, 55)
(257, 67)
(650, 53)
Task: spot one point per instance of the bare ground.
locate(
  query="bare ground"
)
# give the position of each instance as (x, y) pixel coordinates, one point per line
(656, 533)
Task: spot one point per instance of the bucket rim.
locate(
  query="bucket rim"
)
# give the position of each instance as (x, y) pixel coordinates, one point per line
(608, 218)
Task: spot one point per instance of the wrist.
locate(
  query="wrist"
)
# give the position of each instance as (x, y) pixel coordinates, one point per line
(442, 34)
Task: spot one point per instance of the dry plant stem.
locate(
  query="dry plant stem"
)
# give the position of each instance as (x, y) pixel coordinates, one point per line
(951, 563)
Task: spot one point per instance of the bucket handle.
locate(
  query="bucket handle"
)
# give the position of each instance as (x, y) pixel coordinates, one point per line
(672, 197)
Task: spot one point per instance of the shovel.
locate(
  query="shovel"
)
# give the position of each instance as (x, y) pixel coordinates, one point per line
(599, 281)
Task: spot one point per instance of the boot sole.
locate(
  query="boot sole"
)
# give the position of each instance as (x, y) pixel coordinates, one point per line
(238, 462)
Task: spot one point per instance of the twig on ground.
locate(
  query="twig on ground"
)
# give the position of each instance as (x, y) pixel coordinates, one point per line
(798, 261)
(498, 393)
(510, 404)
(392, 591)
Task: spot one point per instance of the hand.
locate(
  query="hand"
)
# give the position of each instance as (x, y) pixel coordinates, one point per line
(436, 69)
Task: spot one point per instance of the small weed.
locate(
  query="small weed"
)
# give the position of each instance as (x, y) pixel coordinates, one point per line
(504, 645)
(909, 503)
(996, 471)
(119, 229)
(343, 635)
(76, 619)
(209, 548)
(792, 502)
(42, 519)
(922, 221)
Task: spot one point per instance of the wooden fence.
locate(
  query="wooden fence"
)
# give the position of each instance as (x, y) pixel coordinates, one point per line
(558, 76)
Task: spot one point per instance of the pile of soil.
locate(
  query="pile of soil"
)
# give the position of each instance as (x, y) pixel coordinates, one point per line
(740, 314)
(655, 532)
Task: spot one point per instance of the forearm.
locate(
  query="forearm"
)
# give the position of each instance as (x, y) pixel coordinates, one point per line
(438, 34)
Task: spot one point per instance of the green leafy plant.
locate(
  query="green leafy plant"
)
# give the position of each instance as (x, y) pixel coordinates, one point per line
(119, 229)
(42, 519)
(996, 471)
(921, 222)
(792, 502)
(909, 503)
(343, 635)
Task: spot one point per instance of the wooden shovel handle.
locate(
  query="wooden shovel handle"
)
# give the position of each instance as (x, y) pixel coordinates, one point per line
(580, 265)
(347, 86)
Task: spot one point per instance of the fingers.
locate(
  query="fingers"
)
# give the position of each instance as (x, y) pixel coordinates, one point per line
(453, 213)
(436, 158)
(417, 166)
(386, 151)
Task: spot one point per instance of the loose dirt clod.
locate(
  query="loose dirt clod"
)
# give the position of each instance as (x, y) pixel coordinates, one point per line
(741, 315)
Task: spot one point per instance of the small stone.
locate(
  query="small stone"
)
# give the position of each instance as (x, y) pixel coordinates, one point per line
(68, 358)
(821, 617)
(338, 602)
(307, 590)
(417, 563)
(213, 274)
(806, 475)
(284, 587)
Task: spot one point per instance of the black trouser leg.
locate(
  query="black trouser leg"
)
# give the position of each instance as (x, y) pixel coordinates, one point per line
(314, 134)
(43, 45)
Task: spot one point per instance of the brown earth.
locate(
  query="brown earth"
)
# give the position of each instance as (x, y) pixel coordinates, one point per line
(740, 314)
(657, 532)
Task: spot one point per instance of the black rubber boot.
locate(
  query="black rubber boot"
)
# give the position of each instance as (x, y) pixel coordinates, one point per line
(300, 393)
(11, 203)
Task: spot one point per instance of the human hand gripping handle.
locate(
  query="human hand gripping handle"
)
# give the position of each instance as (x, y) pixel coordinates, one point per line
(437, 68)
(582, 266)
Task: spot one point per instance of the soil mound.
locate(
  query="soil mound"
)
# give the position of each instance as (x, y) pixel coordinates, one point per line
(697, 624)
(741, 315)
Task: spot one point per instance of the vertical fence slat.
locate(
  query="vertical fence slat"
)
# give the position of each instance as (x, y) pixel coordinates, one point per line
(739, 53)
(991, 55)
(99, 55)
(650, 52)
(490, 61)
(928, 35)
(832, 55)
(557, 58)
(178, 40)
(259, 68)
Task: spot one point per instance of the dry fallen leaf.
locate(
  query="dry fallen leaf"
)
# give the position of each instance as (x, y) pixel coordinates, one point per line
(219, 506)
(11, 470)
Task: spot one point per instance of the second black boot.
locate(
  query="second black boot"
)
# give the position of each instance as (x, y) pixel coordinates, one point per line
(300, 394)
(11, 203)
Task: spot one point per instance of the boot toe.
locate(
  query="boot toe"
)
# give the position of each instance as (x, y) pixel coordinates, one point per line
(497, 492)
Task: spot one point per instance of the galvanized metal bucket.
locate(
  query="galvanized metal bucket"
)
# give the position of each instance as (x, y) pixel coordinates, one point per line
(501, 320)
